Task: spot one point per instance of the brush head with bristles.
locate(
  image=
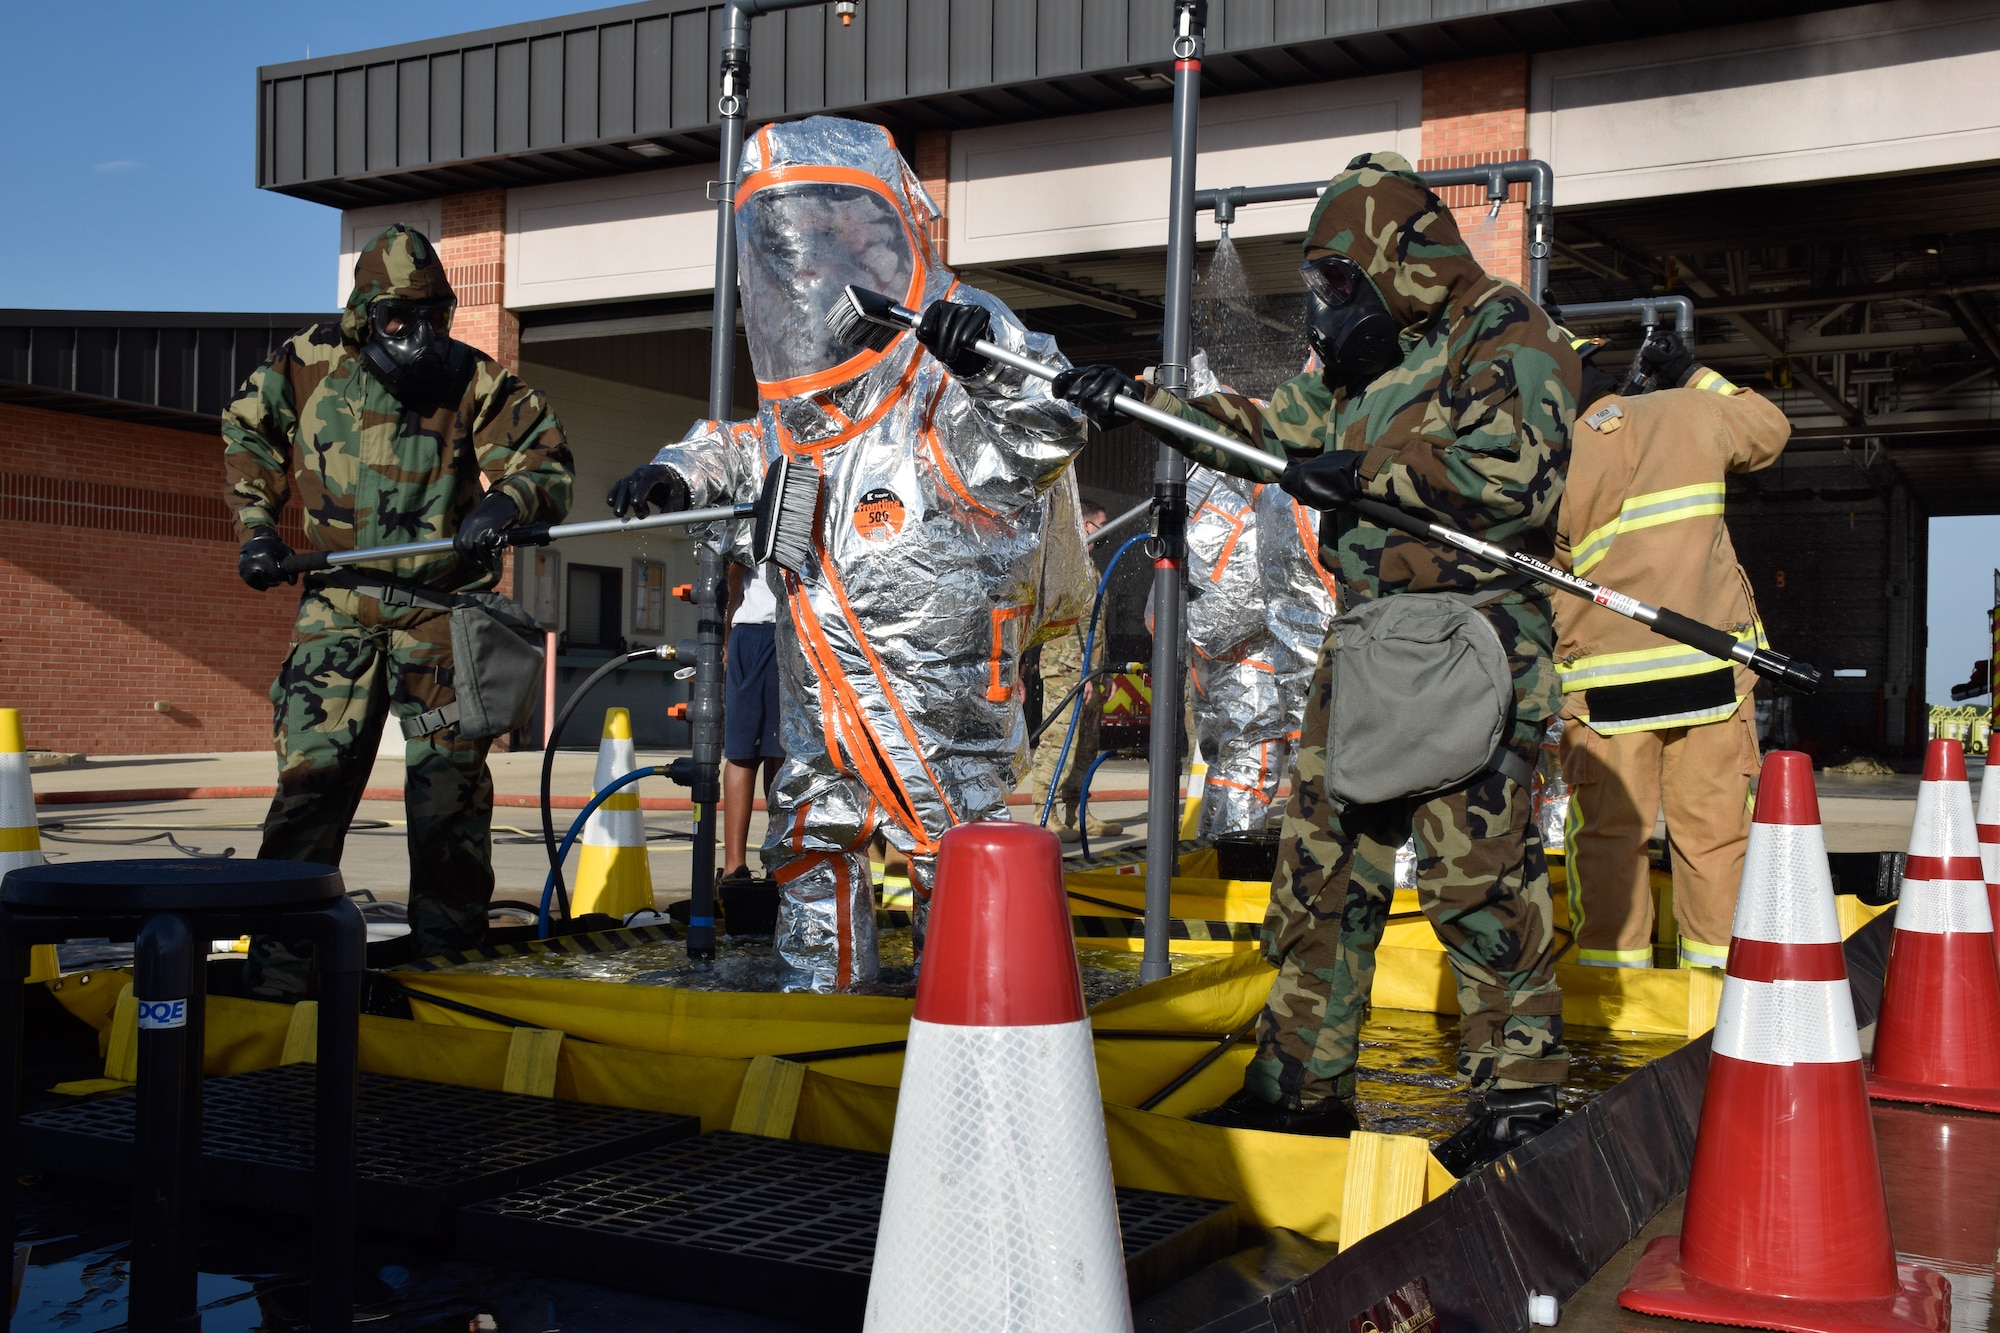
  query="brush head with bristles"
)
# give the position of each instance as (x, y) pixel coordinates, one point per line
(861, 318)
(787, 511)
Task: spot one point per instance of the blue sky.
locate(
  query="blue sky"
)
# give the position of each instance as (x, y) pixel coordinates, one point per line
(130, 148)
(1964, 554)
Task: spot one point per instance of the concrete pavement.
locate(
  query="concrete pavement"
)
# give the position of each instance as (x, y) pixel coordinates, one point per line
(1861, 814)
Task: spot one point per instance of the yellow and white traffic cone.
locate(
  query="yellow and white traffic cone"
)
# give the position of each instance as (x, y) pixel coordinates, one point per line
(612, 876)
(20, 838)
(20, 834)
(998, 1211)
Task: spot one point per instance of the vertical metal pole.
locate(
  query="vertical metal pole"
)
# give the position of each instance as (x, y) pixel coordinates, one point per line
(162, 1292)
(705, 721)
(342, 941)
(729, 107)
(13, 978)
(1169, 544)
(705, 706)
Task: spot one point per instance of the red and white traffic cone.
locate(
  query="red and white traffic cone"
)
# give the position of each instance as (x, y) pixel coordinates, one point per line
(998, 1212)
(1988, 828)
(1787, 1226)
(1938, 1036)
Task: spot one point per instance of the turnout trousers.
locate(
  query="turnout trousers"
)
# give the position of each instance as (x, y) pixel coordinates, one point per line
(353, 664)
(1617, 788)
(1481, 880)
(1062, 667)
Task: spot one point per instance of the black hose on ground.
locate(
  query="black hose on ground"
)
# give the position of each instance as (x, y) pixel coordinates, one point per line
(549, 762)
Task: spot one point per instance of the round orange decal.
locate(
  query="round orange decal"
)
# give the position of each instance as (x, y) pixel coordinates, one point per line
(879, 516)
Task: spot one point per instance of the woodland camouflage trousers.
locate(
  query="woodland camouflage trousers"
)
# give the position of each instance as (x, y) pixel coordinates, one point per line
(1482, 882)
(353, 663)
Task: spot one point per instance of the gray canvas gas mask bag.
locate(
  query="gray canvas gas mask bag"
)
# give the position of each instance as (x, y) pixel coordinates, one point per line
(1422, 698)
(496, 652)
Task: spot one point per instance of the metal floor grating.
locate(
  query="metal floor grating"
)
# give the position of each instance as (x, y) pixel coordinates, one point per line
(424, 1148)
(769, 1225)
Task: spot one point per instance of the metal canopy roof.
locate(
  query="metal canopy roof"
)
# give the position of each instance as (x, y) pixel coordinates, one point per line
(567, 98)
(161, 369)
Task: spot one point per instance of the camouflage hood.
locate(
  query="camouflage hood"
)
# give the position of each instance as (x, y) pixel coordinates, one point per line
(1380, 214)
(400, 262)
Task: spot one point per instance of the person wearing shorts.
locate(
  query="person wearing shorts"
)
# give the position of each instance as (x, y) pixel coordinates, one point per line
(749, 710)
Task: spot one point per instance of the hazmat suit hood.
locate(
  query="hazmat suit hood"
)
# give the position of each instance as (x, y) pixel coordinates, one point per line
(825, 203)
(1380, 214)
(401, 263)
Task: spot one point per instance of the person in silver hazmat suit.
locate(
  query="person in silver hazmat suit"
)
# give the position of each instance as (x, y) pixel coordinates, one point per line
(898, 646)
(1258, 608)
(1299, 600)
(1238, 709)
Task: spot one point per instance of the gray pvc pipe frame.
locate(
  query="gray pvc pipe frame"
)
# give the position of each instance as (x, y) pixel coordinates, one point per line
(1648, 310)
(1495, 176)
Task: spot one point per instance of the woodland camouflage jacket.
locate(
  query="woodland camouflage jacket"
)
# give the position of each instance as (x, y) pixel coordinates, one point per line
(1472, 429)
(369, 472)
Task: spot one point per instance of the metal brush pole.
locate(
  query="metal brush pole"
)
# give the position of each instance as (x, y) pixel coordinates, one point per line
(1169, 544)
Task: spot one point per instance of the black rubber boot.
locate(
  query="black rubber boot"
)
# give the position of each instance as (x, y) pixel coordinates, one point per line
(1331, 1119)
(1502, 1120)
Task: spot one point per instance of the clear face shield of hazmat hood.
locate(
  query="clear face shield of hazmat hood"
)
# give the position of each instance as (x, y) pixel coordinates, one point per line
(803, 235)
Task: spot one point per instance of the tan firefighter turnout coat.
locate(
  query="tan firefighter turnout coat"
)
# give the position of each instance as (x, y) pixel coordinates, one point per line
(1642, 513)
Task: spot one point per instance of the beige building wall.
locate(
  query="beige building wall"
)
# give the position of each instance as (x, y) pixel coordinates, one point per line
(1903, 86)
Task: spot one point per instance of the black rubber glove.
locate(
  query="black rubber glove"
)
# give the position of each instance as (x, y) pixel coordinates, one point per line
(1095, 389)
(643, 489)
(478, 535)
(1327, 482)
(1666, 358)
(949, 330)
(261, 561)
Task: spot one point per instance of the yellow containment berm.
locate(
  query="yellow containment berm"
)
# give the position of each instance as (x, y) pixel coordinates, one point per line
(783, 1065)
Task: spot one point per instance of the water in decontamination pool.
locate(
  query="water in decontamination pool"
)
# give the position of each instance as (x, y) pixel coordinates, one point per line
(753, 965)
(1409, 1081)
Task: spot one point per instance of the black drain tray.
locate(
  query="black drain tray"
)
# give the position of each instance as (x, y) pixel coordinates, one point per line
(424, 1149)
(771, 1226)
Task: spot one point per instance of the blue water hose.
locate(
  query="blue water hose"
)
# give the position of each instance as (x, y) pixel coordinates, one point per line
(576, 828)
(1089, 649)
(1083, 803)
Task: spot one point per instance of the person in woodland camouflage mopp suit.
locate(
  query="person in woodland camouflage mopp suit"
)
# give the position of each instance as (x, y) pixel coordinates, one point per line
(388, 431)
(1448, 392)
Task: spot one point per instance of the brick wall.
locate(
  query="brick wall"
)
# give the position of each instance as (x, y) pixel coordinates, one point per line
(118, 589)
(473, 246)
(1476, 112)
(931, 155)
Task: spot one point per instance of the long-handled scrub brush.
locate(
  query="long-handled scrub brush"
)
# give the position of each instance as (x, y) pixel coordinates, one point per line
(870, 319)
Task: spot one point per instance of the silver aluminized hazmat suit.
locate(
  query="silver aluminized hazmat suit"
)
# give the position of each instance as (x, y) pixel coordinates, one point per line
(1239, 710)
(899, 646)
(1258, 610)
(1298, 598)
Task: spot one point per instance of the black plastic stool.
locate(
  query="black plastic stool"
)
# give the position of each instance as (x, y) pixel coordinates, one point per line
(171, 909)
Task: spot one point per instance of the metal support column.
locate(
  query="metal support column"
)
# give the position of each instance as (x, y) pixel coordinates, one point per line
(705, 709)
(1169, 545)
(705, 722)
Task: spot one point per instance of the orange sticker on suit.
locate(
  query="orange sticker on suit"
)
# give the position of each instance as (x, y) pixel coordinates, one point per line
(879, 516)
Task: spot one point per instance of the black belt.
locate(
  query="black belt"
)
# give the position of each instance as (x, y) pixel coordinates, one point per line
(384, 589)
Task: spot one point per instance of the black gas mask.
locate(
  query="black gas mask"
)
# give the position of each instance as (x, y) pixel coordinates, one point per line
(1348, 327)
(411, 351)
